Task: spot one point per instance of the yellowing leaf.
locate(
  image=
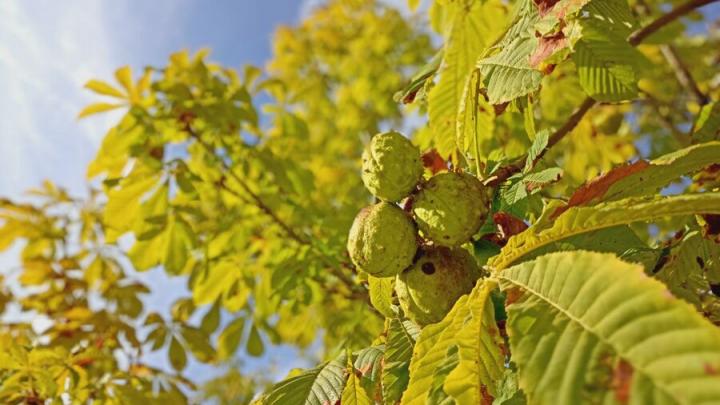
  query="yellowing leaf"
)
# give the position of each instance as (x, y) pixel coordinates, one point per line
(97, 108)
(103, 88)
(124, 77)
(381, 290)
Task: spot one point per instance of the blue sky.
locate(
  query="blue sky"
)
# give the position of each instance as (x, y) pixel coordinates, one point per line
(50, 48)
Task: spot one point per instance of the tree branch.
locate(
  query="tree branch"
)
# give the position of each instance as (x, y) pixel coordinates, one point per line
(683, 74)
(638, 36)
(257, 201)
(634, 39)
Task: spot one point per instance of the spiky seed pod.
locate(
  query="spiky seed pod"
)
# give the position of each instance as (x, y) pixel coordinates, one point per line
(391, 166)
(382, 240)
(428, 290)
(450, 208)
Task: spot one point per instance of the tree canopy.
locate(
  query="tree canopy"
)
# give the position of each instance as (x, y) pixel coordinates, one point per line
(593, 125)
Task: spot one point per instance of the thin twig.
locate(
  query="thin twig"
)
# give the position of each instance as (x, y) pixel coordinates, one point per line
(655, 104)
(638, 36)
(683, 73)
(634, 39)
(257, 201)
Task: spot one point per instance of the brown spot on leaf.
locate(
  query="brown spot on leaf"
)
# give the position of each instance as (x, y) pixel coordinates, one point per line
(513, 295)
(547, 46)
(433, 161)
(710, 369)
(365, 370)
(597, 187)
(622, 381)
(487, 399)
(500, 108)
(544, 6)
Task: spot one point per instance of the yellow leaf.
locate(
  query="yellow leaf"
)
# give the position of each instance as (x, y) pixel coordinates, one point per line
(97, 108)
(144, 83)
(124, 77)
(103, 88)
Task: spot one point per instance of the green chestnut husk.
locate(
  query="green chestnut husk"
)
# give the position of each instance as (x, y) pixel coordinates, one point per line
(428, 290)
(450, 208)
(382, 240)
(391, 166)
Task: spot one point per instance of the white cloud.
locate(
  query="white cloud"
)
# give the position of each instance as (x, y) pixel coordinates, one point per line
(47, 50)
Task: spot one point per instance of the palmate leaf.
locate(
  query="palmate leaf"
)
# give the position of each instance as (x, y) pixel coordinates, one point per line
(470, 326)
(580, 220)
(321, 385)
(589, 328)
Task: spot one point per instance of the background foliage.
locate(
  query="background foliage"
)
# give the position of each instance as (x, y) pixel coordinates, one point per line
(244, 182)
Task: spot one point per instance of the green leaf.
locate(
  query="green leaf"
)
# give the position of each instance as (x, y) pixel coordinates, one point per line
(381, 291)
(318, 386)
(229, 339)
(587, 327)
(255, 346)
(707, 124)
(538, 146)
(605, 60)
(689, 267)
(178, 357)
(508, 74)
(481, 362)
(579, 220)
(104, 89)
(401, 339)
(97, 108)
